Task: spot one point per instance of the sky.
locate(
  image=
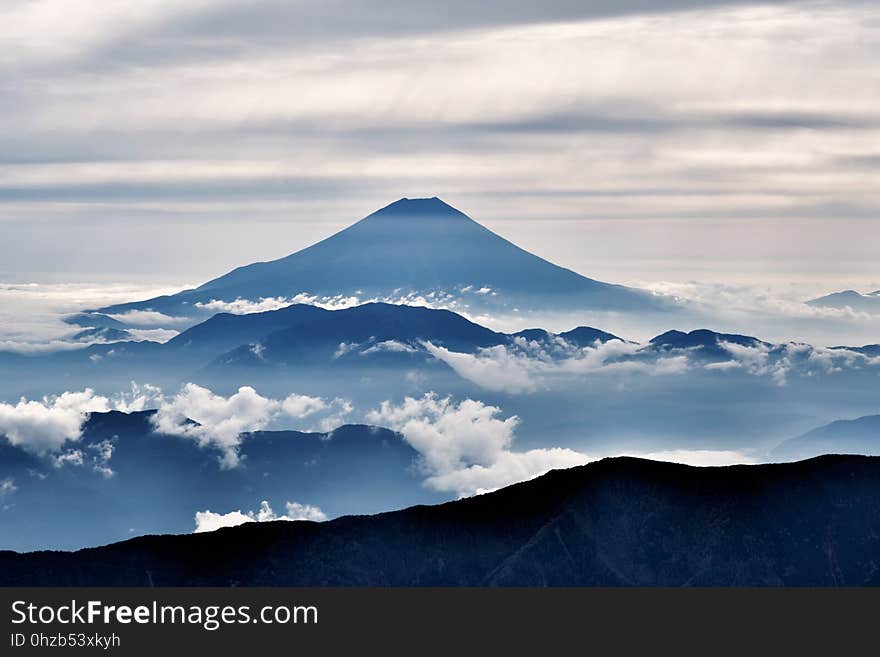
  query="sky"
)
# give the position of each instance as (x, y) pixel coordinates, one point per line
(639, 142)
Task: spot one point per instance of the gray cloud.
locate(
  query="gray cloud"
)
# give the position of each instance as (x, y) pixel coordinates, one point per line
(314, 113)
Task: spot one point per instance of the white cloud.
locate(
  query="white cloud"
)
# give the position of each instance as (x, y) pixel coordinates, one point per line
(464, 447)
(448, 435)
(299, 406)
(153, 335)
(149, 319)
(526, 366)
(218, 422)
(389, 346)
(31, 314)
(494, 368)
(246, 306)
(297, 511)
(7, 486)
(697, 457)
(508, 468)
(44, 426)
(781, 361)
(69, 457)
(208, 521)
(139, 398)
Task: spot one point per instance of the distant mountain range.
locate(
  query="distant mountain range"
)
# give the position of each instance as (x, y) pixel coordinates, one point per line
(616, 522)
(868, 303)
(859, 436)
(413, 246)
(703, 341)
(305, 335)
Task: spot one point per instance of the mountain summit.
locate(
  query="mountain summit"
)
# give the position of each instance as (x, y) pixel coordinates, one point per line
(412, 246)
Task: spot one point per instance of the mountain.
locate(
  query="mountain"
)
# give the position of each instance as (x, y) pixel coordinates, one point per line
(869, 350)
(582, 336)
(307, 333)
(587, 336)
(413, 246)
(859, 436)
(869, 303)
(102, 334)
(615, 522)
(704, 341)
(123, 476)
(94, 320)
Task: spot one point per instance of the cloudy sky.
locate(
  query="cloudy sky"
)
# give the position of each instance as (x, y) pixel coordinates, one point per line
(632, 140)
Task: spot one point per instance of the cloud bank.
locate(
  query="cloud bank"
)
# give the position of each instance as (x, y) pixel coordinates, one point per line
(465, 447)
(208, 521)
(45, 426)
(218, 422)
(526, 366)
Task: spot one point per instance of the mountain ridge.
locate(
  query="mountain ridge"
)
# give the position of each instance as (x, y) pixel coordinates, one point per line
(615, 522)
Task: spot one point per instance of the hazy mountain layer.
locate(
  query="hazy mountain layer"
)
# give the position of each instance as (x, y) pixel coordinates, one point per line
(858, 436)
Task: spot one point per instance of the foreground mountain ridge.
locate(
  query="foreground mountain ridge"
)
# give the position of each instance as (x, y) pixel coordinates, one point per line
(615, 522)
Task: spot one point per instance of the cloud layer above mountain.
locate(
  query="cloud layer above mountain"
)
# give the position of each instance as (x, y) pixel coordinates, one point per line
(556, 123)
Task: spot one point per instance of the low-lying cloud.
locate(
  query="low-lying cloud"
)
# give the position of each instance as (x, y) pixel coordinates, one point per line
(526, 366)
(218, 422)
(208, 521)
(780, 361)
(43, 426)
(51, 426)
(465, 447)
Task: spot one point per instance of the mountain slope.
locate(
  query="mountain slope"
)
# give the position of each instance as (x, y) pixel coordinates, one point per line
(410, 246)
(869, 303)
(859, 436)
(616, 522)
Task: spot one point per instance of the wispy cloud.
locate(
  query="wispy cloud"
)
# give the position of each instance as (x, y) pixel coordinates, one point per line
(525, 367)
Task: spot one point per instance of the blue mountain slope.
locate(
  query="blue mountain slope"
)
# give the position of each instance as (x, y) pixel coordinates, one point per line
(94, 320)
(869, 303)
(859, 436)
(412, 245)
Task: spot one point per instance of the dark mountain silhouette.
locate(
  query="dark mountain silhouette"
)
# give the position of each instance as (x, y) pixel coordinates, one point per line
(704, 341)
(412, 245)
(616, 522)
(859, 436)
(587, 336)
